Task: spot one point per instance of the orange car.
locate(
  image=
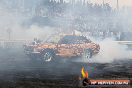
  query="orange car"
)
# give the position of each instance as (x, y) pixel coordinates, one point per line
(68, 46)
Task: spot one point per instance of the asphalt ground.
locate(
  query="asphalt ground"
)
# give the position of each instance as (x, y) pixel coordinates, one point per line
(18, 71)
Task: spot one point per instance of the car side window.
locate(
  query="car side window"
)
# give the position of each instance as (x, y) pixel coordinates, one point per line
(74, 40)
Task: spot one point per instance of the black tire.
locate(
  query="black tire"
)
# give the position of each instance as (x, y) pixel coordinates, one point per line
(87, 53)
(47, 55)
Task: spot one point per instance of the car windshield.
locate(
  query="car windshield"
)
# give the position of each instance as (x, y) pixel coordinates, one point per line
(72, 39)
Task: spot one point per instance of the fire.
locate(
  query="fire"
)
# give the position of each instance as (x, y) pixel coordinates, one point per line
(84, 73)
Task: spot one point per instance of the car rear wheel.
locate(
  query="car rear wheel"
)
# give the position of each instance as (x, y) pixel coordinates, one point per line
(87, 53)
(47, 55)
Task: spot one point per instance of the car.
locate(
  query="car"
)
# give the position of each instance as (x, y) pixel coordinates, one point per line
(67, 47)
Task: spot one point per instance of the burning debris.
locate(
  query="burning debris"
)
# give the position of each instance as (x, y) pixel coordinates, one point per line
(86, 81)
(84, 73)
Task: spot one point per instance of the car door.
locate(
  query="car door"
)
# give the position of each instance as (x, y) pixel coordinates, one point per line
(65, 50)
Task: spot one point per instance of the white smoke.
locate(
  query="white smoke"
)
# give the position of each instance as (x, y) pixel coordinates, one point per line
(33, 31)
(19, 32)
(13, 22)
(110, 51)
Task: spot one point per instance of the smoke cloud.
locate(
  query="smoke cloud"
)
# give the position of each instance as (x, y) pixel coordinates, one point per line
(110, 51)
(12, 21)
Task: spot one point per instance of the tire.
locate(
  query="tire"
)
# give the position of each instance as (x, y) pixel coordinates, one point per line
(87, 53)
(47, 55)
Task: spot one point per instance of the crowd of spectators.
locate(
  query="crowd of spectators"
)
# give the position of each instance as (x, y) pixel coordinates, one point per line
(99, 20)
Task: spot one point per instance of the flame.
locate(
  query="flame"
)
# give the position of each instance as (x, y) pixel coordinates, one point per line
(84, 73)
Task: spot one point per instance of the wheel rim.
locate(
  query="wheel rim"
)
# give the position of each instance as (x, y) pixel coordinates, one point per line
(88, 54)
(47, 57)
